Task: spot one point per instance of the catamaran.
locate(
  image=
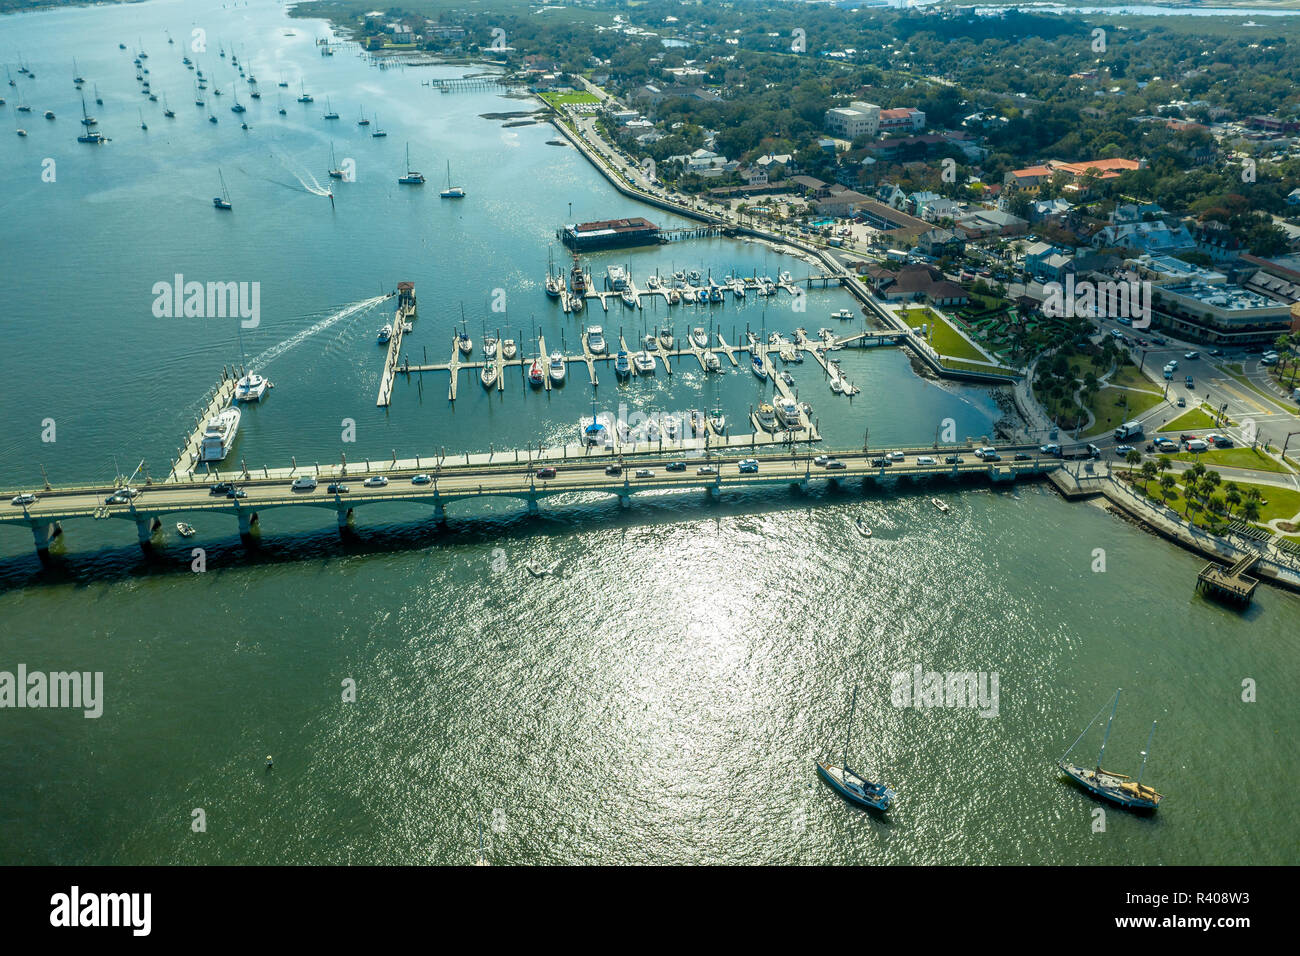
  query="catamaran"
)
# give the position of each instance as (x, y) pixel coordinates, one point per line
(412, 178)
(1115, 787)
(452, 192)
(251, 388)
(851, 785)
(222, 201)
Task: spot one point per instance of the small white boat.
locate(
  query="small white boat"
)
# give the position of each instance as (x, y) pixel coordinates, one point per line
(711, 362)
(863, 528)
(644, 362)
(700, 337)
(509, 349)
(488, 375)
(596, 340)
(536, 374)
(385, 333)
(718, 421)
(843, 315)
(629, 299)
(490, 346)
(651, 343)
(185, 530)
(666, 338)
(787, 378)
(465, 344)
(557, 368)
(837, 386)
(941, 505)
(554, 286)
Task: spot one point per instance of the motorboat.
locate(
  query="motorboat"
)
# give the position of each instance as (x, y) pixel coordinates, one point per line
(787, 378)
(644, 362)
(616, 276)
(711, 362)
(385, 333)
(629, 298)
(787, 413)
(864, 529)
(844, 315)
(700, 337)
(596, 340)
(650, 342)
(767, 417)
(219, 434)
(622, 364)
(185, 530)
(837, 385)
(940, 505)
(718, 421)
(251, 388)
(557, 368)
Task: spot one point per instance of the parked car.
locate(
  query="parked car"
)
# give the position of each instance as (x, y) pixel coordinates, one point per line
(337, 489)
(24, 499)
(1220, 441)
(547, 472)
(421, 479)
(1197, 445)
(376, 481)
(747, 466)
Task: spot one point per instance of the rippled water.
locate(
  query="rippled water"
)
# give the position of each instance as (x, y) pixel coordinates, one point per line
(659, 698)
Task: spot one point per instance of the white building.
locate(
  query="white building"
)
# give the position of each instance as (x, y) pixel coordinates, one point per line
(856, 119)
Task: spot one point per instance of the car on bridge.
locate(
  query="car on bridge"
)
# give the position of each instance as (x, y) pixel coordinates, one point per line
(1050, 449)
(421, 479)
(547, 472)
(122, 496)
(707, 470)
(748, 466)
(1022, 456)
(644, 473)
(614, 470)
(895, 456)
(953, 460)
(376, 481)
(880, 463)
(304, 483)
(925, 460)
(835, 465)
(675, 466)
(23, 500)
(337, 489)
(821, 460)
(220, 488)
(234, 492)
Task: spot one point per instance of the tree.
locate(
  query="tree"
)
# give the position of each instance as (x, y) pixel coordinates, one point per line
(1133, 457)
(1167, 484)
(1250, 510)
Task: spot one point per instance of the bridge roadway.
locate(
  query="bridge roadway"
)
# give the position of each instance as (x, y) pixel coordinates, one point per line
(508, 479)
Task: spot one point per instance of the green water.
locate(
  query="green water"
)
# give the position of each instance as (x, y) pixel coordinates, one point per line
(662, 696)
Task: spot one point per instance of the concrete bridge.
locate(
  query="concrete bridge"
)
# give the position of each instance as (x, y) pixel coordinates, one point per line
(709, 472)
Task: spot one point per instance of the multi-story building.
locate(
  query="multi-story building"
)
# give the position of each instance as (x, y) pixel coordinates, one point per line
(1221, 314)
(856, 119)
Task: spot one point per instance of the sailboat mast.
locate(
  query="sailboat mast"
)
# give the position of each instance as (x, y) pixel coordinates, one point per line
(1105, 738)
(848, 730)
(1146, 753)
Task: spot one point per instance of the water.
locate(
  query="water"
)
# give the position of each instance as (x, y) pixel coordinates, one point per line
(661, 697)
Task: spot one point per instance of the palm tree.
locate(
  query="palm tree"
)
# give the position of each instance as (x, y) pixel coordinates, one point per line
(1133, 457)
(1232, 495)
(1250, 509)
(1163, 463)
(1167, 484)
(1148, 471)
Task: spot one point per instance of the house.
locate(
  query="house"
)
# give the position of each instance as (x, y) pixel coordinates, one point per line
(844, 203)
(991, 222)
(1293, 197)
(1048, 209)
(919, 282)
(906, 119)
(810, 187)
(1216, 240)
(1036, 254)
(754, 175)
(940, 242)
(1155, 237)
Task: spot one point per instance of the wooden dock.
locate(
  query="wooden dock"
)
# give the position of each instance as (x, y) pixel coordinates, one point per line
(406, 312)
(187, 458)
(1231, 585)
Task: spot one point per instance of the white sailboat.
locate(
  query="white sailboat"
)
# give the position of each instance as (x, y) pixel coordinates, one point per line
(452, 192)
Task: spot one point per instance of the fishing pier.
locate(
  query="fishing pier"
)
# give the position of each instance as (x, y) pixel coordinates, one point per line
(405, 313)
(1231, 585)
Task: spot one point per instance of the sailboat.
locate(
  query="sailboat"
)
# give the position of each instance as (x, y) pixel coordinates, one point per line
(90, 135)
(412, 178)
(848, 783)
(222, 201)
(329, 110)
(99, 100)
(1115, 787)
(363, 121)
(304, 96)
(335, 172)
(198, 95)
(143, 125)
(452, 192)
(77, 78)
(378, 132)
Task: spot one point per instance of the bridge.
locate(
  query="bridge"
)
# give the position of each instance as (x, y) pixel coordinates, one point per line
(497, 475)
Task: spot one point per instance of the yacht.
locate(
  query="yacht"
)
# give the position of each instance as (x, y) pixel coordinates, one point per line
(787, 413)
(650, 343)
(756, 366)
(711, 362)
(1115, 787)
(305, 97)
(695, 275)
(700, 337)
(787, 378)
(673, 297)
(557, 368)
(222, 201)
(489, 347)
(715, 293)
(509, 349)
(644, 362)
(251, 388)
(219, 434)
(629, 299)
(617, 278)
(767, 417)
(385, 333)
(536, 374)
(666, 337)
(622, 364)
(844, 315)
(595, 432)
(596, 340)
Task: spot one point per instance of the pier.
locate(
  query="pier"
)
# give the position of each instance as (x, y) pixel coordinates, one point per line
(187, 456)
(1231, 585)
(405, 313)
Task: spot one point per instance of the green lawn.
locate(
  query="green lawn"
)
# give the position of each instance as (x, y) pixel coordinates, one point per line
(975, 367)
(1233, 458)
(1197, 419)
(576, 98)
(1276, 502)
(1129, 376)
(945, 339)
(1111, 406)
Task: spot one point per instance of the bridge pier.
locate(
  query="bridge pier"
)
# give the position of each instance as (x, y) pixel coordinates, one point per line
(45, 534)
(625, 501)
(715, 492)
(532, 506)
(347, 522)
(146, 529)
(250, 528)
(440, 512)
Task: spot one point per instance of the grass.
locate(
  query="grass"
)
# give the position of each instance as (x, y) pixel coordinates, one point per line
(1111, 406)
(1193, 420)
(576, 98)
(974, 367)
(1130, 377)
(1275, 502)
(1250, 458)
(945, 339)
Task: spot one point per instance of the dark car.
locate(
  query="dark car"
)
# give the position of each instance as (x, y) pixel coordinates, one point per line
(953, 460)
(675, 466)
(834, 464)
(236, 493)
(991, 456)
(220, 488)
(337, 489)
(1021, 456)
(881, 463)
(547, 472)
(613, 469)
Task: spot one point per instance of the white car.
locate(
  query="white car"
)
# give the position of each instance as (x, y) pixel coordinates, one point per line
(895, 456)
(644, 473)
(376, 481)
(926, 460)
(26, 498)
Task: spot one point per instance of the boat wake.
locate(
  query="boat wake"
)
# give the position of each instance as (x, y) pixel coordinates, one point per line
(275, 351)
(304, 176)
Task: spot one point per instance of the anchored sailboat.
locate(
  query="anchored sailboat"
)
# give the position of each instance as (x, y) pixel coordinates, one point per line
(1115, 787)
(222, 201)
(847, 782)
(452, 192)
(412, 178)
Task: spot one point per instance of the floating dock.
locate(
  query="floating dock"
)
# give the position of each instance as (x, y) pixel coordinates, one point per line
(405, 313)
